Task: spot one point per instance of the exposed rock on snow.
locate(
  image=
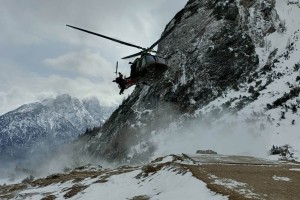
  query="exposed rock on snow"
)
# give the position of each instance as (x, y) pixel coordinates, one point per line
(206, 152)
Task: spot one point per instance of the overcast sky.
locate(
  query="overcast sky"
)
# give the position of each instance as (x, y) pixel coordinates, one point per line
(40, 57)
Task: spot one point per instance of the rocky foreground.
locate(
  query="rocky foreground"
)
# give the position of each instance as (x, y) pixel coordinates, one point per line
(171, 177)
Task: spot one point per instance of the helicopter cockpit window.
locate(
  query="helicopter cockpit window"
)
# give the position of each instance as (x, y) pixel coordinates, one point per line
(150, 59)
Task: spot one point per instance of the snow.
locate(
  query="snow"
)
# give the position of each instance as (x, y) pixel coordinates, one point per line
(295, 169)
(279, 178)
(55, 189)
(165, 184)
(166, 159)
(287, 15)
(9, 181)
(241, 188)
(139, 148)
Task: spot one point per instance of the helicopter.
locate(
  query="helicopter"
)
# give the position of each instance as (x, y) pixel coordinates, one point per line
(143, 69)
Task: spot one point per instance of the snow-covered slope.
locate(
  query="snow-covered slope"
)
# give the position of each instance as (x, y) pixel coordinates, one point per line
(232, 86)
(37, 128)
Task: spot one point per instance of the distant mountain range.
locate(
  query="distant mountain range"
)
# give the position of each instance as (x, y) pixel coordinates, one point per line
(38, 128)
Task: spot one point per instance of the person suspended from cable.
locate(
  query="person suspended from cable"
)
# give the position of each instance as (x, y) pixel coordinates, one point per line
(121, 82)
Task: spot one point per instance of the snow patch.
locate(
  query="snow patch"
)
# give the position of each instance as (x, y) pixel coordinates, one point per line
(279, 178)
(295, 169)
(164, 184)
(165, 160)
(241, 188)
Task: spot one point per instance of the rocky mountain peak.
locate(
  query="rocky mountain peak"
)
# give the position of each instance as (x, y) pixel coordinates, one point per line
(41, 127)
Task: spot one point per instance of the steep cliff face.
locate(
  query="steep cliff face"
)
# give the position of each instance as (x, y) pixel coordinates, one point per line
(218, 49)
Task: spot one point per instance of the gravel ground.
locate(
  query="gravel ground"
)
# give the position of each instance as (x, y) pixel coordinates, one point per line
(251, 181)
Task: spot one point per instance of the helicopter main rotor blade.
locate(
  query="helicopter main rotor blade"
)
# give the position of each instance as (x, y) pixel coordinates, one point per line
(106, 37)
(160, 39)
(152, 46)
(134, 55)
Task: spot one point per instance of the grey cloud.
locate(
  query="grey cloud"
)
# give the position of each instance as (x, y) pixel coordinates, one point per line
(42, 57)
(27, 90)
(83, 63)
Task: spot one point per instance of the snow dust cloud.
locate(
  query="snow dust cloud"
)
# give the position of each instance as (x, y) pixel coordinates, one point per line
(46, 162)
(228, 135)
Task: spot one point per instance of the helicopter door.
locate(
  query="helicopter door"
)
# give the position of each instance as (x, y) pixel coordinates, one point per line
(144, 64)
(134, 69)
(138, 65)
